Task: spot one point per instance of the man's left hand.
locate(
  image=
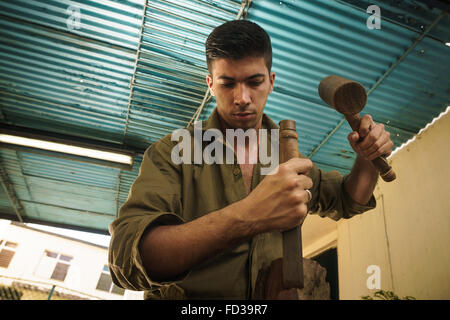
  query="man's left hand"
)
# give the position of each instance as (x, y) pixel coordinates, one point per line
(375, 140)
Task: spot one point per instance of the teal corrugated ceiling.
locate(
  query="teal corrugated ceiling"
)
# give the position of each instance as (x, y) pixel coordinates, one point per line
(66, 68)
(169, 81)
(313, 39)
(61, 191)
(70, 77)
(126, 72)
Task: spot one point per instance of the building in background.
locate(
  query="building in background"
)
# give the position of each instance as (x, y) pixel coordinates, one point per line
(39, 264)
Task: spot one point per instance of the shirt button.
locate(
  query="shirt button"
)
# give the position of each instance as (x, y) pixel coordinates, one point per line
(236, 171)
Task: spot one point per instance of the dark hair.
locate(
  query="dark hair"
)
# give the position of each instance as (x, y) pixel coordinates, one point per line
(238, 39)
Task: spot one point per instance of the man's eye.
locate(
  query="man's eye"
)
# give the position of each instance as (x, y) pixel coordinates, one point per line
(228, 85)
(256, 83)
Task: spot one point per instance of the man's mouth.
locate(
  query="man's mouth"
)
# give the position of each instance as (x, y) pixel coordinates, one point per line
(244, 115)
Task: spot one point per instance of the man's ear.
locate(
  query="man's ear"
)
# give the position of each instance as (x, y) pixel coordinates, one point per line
(272, 80)
(209, 81)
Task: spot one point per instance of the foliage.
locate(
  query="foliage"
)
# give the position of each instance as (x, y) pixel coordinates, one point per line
(10, 293)
(386, 295)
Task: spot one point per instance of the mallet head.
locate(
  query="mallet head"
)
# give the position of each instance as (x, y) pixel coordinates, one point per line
(346, 96)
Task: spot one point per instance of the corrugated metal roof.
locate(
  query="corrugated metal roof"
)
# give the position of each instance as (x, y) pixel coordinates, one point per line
(169, 80)
(60, 191)
(313, 39)
(130, 72)
(71, 80)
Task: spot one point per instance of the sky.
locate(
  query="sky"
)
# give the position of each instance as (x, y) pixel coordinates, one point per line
(95, 238)
(99, 239)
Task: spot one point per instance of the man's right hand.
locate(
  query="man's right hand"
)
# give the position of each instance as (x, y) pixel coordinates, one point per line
(279, 202)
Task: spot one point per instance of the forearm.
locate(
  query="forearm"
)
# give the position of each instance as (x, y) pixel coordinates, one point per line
(361, 181)
(279, 202)
(168, 251)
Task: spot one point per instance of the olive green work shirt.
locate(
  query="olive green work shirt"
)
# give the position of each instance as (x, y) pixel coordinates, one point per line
(165, 193)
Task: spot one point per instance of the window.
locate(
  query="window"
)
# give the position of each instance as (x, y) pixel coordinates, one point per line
(7, 251)
(53, 266)
(329, 260)
(105, 282)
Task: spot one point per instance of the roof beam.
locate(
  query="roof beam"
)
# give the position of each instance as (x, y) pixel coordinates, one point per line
(133, 77)
(11, 193)
(119, 175)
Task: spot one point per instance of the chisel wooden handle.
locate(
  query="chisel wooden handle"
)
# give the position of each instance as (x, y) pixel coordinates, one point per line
(292, 239)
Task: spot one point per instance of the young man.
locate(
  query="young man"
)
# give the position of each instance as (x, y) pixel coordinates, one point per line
(205, 230)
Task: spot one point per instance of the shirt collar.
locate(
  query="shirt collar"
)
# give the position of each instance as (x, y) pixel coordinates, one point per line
(213, 122)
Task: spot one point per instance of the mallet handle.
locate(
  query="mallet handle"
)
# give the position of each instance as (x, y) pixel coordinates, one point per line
(386, 171)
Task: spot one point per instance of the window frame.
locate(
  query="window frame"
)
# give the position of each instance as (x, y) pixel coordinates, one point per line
(112, 286)
(55, 262)
(13, 249)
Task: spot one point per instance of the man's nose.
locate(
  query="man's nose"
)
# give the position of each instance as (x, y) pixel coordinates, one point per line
(242, 95)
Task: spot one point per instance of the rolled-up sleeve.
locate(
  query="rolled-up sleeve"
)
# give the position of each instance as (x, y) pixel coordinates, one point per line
(330, 199)
(154, 199)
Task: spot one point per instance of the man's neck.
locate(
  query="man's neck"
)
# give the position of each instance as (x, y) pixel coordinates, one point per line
(224, 126)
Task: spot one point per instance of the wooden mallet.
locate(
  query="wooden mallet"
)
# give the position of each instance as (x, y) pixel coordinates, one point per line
(349, 98)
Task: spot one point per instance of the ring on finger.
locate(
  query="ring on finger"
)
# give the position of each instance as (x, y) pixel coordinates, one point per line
(309, 194)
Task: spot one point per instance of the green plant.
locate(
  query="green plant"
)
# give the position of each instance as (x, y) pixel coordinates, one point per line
(386, 295)
(10, 293)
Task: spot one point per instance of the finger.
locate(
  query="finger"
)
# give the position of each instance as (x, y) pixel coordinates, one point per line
(369, 140)
(365, 125)
(384, 150)
(302, 182)
(300, 211)
(389, 146)
(299, 165)
(377, 145)
(353, 138)
(300, 197)
(376, 138)
(304, 208)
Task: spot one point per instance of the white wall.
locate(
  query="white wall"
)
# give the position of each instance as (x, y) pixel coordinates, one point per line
(408, 234)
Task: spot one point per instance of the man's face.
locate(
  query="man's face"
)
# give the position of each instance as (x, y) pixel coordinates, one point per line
(241, 88)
